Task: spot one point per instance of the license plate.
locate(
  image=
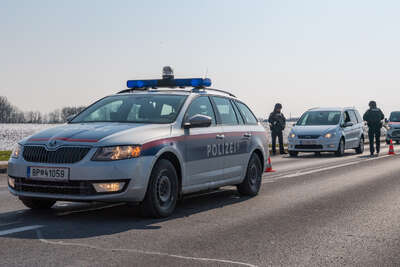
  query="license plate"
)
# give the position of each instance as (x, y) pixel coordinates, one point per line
(48, 173)
(308, 142)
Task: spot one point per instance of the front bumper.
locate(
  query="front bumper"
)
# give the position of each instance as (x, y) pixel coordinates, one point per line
(313, 145)
(134, 172)
(393, 134)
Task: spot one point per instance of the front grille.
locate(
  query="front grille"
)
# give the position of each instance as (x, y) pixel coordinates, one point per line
(308, 146)
(61, 155)
(75, 188)
(309, 136)
(396, 133)
(80, 188)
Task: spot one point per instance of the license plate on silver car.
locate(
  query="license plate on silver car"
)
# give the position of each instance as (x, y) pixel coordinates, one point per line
(308, 142)
(48, 173)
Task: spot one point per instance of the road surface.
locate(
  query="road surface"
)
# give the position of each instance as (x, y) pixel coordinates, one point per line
(314, 211)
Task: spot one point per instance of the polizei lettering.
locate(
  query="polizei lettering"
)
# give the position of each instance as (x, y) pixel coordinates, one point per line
(222, 149)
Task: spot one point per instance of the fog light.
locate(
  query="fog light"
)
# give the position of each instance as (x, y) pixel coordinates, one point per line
(11, 182)
(108, 187)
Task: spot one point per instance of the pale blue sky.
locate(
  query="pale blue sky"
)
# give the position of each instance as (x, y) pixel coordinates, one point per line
(301, 53)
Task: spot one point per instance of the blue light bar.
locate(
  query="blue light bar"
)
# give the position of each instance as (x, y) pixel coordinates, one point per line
(194, 82)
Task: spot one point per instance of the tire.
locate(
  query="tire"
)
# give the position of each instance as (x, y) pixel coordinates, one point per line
(37, 203)
(252, 182)
(397, 142)
(162, 191)
(340, 151)
(293, 153)
(317, 154)
(360, 148)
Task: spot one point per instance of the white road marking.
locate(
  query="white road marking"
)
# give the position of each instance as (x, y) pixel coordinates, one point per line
(20, 229)
(154, 253)
(299, 173)
(89, 209)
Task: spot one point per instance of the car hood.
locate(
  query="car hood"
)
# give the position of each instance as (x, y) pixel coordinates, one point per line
(99, 134)
(395, 125)
(313, 130)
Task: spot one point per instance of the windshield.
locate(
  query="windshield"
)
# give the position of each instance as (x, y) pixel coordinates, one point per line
(395, 117)
(134, 109)
(320, 118)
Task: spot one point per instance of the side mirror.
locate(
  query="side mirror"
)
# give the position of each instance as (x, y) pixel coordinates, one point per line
(348, 124)
(198, 121)
(70, 117)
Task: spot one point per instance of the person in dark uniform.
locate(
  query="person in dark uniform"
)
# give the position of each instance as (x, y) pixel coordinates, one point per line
(374, 116)
(277, 124)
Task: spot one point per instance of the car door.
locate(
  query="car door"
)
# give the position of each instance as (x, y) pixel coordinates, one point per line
(203, 146)
(357, 128)
(236, 141)
(347, 131)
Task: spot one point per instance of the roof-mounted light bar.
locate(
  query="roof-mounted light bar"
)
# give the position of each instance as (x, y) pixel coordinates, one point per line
(169, 83)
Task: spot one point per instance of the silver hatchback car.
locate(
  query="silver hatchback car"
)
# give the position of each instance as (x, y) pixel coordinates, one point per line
(149, 144)
(327, 130)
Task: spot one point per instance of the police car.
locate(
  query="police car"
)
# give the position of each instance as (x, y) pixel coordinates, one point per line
(148, 144)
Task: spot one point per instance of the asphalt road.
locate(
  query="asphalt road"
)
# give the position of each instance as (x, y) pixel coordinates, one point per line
(314, 211)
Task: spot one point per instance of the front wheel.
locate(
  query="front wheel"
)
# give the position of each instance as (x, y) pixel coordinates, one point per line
(360, 148)
(162, 191)
(37, 203)
(252, 182)
(340, 151)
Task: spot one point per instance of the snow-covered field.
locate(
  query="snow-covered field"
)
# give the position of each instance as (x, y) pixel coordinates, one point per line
(11, 133)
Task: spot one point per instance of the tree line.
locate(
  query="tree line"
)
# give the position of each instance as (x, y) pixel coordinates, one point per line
(11, 114)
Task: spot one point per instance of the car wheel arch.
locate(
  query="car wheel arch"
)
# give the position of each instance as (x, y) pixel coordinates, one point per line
(174, 159)
(260, 155)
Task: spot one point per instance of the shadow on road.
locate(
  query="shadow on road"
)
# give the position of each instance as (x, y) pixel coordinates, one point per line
(66, 222)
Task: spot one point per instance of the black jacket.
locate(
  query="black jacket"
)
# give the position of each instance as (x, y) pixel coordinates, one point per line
(374, 117)
(277, 121)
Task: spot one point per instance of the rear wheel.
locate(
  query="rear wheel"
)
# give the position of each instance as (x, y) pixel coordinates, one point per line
(360, 148)
(293, 153)
(162, 191)
(252, 182)
(37, 203)
(340, 151)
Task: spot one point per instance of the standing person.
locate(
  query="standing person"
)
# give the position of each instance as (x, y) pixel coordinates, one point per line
(374, 116)
(277, 124)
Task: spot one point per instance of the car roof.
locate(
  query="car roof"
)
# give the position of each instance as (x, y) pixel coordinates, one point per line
(178, 91)
(331, 109)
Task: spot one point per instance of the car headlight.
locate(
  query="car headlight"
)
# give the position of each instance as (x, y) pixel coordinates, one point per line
(292, 135)
(16, 151)
(116, 153)
(329, 135)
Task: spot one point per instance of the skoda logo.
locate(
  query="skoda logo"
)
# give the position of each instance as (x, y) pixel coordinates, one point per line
(52, 143)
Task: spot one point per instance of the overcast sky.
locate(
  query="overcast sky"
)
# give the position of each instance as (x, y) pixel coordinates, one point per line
(300, 53)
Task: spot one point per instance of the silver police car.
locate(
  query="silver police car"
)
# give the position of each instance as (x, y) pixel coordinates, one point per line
(148, 144)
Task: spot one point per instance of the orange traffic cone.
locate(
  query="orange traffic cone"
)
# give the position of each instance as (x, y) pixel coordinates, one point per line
(391, 148)
(269, 166)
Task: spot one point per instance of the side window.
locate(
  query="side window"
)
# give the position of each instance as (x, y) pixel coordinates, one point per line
(359, 119)
(201, 105)
(238, 115)
(346, 117)
(225, 110)
(353, 117)
(248, 115)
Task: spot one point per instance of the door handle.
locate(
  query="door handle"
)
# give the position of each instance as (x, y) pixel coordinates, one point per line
(247, 135)
(220, 136)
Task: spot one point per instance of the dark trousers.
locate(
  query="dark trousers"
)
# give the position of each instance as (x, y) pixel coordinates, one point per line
(274, 135)
(374, 133)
